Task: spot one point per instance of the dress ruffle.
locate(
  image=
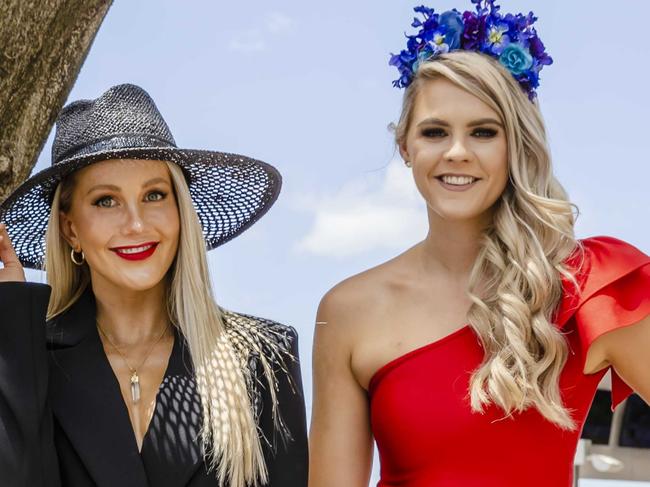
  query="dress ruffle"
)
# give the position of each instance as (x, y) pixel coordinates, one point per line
(614, 280)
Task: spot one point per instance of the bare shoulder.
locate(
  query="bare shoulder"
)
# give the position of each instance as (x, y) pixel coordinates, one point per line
(352, 316)
(362, 299)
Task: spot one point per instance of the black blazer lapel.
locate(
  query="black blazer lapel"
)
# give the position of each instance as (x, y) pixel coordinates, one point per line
(87, 402)
(171, 451)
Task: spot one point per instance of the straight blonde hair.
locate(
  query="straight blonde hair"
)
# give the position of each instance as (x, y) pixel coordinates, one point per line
(515, 284)
(219, 353)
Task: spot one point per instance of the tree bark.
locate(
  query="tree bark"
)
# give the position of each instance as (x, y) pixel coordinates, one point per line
(43, 44)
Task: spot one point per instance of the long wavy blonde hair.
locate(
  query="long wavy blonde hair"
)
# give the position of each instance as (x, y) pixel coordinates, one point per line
(515, 284)
(229, 434)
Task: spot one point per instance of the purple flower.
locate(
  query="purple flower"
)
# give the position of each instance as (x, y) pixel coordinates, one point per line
(529, 82)
(516, 58)
(474, 31)
(538, 51)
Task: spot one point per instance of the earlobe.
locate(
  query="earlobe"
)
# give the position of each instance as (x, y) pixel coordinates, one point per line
(404, 154)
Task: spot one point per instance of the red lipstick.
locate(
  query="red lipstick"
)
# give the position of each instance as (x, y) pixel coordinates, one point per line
(127, 254)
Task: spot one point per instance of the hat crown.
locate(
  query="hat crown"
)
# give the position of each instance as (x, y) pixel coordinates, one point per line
(124, 111)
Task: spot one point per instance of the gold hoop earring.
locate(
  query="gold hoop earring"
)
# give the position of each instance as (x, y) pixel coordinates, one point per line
(74, 260)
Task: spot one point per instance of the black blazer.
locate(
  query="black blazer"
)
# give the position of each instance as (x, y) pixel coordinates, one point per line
(76, 431)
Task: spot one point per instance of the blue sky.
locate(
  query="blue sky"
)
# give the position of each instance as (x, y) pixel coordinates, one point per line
(306, 87)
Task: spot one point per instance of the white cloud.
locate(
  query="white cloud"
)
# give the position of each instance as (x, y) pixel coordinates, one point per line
(384, 212)
(277, 22)
(248, 42)
(256, 39)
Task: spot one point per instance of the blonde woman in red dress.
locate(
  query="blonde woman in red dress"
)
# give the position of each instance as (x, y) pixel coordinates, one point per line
(473, 357)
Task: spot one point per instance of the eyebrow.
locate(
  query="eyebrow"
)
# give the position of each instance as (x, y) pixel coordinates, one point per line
(474, 123)
(112, 187)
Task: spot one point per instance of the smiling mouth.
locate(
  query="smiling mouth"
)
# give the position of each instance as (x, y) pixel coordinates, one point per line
(453, 180)
(136, 252)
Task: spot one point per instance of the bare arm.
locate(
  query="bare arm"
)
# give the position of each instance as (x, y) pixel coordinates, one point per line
(628, 350)
(340, 438)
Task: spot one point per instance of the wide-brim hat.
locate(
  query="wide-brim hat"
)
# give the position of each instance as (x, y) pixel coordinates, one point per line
(230, 192)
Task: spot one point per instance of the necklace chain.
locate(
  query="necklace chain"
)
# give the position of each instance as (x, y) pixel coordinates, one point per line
(135, 379)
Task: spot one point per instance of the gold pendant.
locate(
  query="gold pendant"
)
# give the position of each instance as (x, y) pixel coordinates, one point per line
(135, 387)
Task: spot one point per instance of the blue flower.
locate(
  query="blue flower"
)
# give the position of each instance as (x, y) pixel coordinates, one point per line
(496, 38)
(452, 22)
(412, 44)
(510, 38)
(516, 58)
(425, 54)
(425, 11)
(438, 44)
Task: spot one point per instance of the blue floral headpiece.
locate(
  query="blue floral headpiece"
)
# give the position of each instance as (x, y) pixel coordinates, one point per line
(511, 39)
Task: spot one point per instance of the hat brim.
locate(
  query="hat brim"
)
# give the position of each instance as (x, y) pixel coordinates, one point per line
(230, 192)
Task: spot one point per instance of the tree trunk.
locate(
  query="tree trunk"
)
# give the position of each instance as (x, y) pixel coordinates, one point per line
(43, 44)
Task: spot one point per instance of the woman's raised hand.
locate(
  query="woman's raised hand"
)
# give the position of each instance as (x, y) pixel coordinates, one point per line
(13, 270)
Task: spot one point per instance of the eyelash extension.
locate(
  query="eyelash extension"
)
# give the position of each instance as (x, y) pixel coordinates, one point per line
(487, 132)
(102, 198)
(160, 192)
(431, 132)
(98, 200)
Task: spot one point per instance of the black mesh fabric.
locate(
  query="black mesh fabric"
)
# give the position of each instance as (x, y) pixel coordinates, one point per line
(229, 191)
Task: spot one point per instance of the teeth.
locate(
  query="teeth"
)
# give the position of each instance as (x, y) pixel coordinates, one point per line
(458, 180)
(134, 250)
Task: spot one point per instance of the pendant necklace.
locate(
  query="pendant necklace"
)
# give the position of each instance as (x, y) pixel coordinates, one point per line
(135, 379)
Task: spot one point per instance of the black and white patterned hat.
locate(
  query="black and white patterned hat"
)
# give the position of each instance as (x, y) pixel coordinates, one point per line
(230, 192)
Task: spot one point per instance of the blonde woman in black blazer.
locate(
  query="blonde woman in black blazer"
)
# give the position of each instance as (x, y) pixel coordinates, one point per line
(139, 378)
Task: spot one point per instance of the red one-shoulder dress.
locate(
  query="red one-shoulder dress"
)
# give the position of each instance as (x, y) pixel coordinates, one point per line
(426, 432)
